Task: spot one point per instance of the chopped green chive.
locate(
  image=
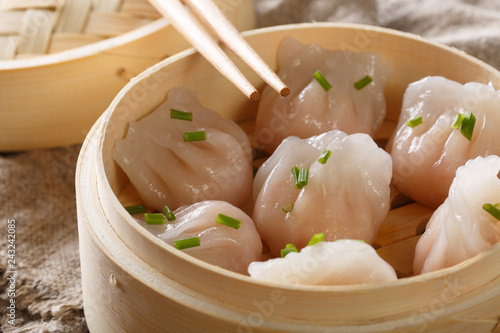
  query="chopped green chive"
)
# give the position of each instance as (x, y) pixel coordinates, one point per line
(324, 156)
(465, 122)
(136, 209)
(494, 210)
(182, 115)
(363, 82)
(186, 243)
(316, 239)
(168, 213)
(459, 118)
(467, 127)
(303, 177)
(194, 136)
(300, 176)
(154, 218)
(288, 208)
(295, 174)
(288, 248)
(229, 221)
(414, 122)
(322, 80)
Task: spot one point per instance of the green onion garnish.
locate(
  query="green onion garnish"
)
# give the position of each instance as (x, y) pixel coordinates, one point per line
(300, 176)
(303, 177)
(194, 136)
(459, 118)
(288, 208)
(324, 156)
(465, 122)
(186, 243)
(182, 115)
(229, 221)
(168, 213)
(288, 248)
(363, 82)
(414, 122)
(468, 123)
(316, 239)
(322, 80)
(136, 209)
(154, 218)
(494, 210)
(295, 174)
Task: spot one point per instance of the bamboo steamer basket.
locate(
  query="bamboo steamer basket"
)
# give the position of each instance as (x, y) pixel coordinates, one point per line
(63, 61)
(133, 282)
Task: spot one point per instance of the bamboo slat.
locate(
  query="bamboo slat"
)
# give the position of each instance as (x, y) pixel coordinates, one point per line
(6, 5)
(112, 24)
(73, 16)
(34, 39)
(107, 5)
(66, 41)
(141, 7)
(10, 23)
(8, 46)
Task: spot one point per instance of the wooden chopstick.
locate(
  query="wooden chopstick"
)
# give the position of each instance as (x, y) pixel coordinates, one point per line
(207, 11)
(184, 22)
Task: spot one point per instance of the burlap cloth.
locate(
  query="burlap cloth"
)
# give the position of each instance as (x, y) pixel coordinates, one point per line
(37, 187)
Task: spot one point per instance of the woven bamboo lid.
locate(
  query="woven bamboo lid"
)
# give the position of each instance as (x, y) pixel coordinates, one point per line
(36, 27)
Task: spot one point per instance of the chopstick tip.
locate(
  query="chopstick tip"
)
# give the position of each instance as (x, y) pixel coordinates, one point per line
(285, 91)
(255, 96)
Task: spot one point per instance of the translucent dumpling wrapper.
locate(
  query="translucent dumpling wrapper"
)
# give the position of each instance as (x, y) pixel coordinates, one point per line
(346, 197)
(220, 244)
(310, 109)
(427, 156)
(343, 262)
(460, 228)
(166, 170)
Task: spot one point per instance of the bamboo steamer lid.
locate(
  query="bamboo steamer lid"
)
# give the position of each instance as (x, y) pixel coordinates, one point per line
(63, 61)
(132, 281)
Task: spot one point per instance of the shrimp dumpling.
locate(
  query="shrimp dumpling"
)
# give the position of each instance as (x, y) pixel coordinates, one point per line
(460, 228)
(346, 197)
(220, 245)
(310, 109)
(167, 170)
(433, 150)
(342, 262)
